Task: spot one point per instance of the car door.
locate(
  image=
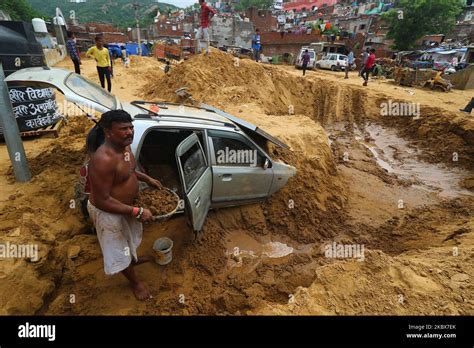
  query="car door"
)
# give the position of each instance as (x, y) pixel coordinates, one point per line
(241, 171)
(332, 61)
(196, 179)
(327, 62)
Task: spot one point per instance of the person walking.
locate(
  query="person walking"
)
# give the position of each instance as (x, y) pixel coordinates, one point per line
(73, 51)
(102, 57)
(468, 108)
(369, 65)
(350, 62)
(364, 55)
(306, 58)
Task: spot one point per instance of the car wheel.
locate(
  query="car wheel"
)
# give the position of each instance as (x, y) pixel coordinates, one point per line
(318, 66)
(333, 68)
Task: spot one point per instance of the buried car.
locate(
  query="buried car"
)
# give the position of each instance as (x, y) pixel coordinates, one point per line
(208, 157)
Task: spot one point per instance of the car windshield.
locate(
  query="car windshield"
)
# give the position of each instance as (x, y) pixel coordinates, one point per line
(341, 57)
(88, 90)
(311, 54)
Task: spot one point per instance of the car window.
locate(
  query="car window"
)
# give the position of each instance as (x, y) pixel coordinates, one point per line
(342, 57)
(312, 55)
(193, 164)
(90, 91)
(332, 57)
(235, 152)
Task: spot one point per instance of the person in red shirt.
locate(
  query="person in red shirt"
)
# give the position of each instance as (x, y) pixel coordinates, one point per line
(207, 13)
(369, 66)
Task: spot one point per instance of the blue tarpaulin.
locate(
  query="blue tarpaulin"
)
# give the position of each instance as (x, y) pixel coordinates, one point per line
(132, 49)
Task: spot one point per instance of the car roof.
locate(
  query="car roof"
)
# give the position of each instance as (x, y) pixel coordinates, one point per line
(185, 116)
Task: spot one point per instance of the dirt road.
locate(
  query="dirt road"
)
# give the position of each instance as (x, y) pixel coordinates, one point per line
(397, 189)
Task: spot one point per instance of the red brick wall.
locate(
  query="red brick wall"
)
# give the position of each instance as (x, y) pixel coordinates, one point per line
(264, 21)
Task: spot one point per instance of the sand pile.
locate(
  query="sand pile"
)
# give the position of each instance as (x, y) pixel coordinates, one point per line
(222, 79)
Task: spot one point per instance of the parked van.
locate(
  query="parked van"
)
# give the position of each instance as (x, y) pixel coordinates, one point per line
(312, 61)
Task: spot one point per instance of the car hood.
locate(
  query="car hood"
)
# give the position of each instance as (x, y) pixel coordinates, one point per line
(57, 78)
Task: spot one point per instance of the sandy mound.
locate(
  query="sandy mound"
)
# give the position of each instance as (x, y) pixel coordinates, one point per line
(221, 79)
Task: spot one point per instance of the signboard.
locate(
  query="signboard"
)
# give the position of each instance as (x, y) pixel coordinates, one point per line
(34, 107)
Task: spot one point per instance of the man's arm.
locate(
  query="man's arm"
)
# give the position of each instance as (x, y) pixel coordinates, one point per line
(148, 179)
(89, 53)
(108, 58)
(212, 12)
(102, 174)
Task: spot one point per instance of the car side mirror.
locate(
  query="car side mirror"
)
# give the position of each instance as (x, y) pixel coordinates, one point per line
(267, 164)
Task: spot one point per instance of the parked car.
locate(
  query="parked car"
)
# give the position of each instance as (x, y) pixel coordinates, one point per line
(188, 148)
(333, 61)
(312, 61)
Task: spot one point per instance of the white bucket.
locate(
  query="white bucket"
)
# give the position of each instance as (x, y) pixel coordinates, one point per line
(163, 253)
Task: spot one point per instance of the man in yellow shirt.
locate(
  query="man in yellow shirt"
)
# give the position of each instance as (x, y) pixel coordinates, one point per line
(102, 57)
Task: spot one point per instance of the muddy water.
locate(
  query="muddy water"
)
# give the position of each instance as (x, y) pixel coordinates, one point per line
(399, 157)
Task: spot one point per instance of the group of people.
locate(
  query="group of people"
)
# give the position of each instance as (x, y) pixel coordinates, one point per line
(368, 63)
(102, 55)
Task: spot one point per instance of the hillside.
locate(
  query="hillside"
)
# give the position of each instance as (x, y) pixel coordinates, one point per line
(117, 12)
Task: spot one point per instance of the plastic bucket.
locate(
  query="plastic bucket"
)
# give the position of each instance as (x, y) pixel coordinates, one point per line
(163, 253)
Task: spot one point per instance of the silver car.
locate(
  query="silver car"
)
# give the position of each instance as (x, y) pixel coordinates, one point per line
(210, 158)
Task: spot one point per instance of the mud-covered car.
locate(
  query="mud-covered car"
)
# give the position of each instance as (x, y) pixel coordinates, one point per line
(208, 157)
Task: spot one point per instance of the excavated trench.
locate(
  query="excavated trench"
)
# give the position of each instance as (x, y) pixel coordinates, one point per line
(352, 176)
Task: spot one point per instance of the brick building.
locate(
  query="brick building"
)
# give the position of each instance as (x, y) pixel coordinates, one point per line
(262, 19)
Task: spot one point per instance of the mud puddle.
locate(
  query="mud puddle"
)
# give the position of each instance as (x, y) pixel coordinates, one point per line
(241, 245)
(399, 157)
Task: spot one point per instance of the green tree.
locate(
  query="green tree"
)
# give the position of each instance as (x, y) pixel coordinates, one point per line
(19, 10)
(260, 4)
(414, 19)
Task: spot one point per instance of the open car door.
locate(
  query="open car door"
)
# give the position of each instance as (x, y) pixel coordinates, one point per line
(196, 178)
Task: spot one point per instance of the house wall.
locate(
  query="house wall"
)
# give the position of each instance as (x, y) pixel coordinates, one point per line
(231, 32)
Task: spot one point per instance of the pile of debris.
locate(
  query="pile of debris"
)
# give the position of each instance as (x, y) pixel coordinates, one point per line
(421, 78)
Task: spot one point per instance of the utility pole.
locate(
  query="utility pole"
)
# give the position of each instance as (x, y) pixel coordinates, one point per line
(135, 7)
(11, 133)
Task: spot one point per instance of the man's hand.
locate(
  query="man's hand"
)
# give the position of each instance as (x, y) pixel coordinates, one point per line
(155, 183)
(110, 69)
(146, 216)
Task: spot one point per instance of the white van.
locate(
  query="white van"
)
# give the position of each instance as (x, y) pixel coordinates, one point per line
(312, 61)
(333, 61)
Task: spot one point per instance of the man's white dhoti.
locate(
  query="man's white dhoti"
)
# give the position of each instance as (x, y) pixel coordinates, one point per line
(119, 237)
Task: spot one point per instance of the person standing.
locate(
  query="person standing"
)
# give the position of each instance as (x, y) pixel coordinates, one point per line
(102, 57)
(256, 46)
(207, 13)
(369, 65)
(114, 185)
(306, 59)
(73, 51)
(350, 62)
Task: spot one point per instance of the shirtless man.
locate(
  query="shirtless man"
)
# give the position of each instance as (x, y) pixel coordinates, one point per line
(114, 187)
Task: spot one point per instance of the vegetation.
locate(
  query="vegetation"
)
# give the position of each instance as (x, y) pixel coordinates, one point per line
(260, 4)
(120, 13)
(414, 19)
(19, 10)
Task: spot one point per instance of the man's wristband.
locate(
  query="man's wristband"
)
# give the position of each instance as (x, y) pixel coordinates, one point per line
(135, 211)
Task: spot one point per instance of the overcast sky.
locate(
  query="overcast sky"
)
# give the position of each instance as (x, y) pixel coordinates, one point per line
(180, 3)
